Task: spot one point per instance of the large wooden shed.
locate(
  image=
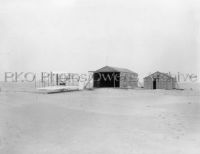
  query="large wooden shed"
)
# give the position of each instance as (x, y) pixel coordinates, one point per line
(159, 80)
(115, 77)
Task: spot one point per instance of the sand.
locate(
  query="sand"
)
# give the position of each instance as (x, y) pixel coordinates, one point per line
(102, 121)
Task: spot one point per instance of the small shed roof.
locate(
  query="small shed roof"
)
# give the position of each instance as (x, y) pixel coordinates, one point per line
(113, 69)
(159, 73)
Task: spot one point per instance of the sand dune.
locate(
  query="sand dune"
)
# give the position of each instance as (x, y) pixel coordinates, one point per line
(103, 121)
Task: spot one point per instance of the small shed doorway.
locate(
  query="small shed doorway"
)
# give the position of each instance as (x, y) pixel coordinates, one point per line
(154, 83)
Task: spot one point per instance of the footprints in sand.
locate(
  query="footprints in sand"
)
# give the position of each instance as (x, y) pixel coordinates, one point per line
(173, 124)
(11, 134)
(3, 142)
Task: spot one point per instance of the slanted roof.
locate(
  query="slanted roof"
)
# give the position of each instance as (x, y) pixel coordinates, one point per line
(114, 69)
(158, 73)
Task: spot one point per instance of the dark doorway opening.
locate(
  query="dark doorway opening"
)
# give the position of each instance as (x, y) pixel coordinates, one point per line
(154, 84)
(106, 79)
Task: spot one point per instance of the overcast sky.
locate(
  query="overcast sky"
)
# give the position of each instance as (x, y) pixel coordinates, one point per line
(83, 35)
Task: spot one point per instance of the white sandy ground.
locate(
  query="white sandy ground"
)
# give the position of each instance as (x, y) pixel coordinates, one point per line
(103, 121)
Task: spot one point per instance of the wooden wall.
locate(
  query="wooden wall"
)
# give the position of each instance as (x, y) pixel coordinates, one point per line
(128, 80)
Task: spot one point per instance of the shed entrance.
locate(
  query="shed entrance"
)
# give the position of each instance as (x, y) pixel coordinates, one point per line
(106, 79)
(154, 84)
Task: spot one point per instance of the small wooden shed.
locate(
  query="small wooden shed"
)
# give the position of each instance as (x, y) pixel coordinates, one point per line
(115, 77)
(159, 80)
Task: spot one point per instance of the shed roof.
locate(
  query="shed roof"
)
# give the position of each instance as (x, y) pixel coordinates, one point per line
(113, 69)
(159, 73)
